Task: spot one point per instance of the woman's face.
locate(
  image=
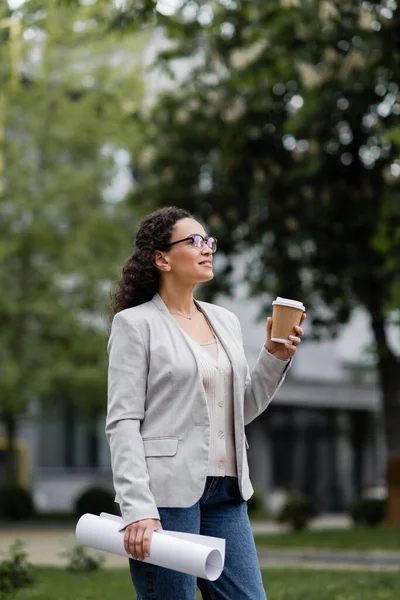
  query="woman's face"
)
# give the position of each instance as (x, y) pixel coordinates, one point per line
(185, 261)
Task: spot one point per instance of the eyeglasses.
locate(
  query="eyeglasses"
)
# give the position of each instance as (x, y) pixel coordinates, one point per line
(198, 242)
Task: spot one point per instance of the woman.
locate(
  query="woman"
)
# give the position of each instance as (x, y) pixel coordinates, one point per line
(179, 396)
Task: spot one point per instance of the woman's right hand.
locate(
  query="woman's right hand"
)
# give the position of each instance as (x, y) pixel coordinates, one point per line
(138, 537)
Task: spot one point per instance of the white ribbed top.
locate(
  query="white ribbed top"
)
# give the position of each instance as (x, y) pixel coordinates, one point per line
(216, 372)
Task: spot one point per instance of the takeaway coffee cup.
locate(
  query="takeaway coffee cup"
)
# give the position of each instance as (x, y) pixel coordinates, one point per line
(286, 314)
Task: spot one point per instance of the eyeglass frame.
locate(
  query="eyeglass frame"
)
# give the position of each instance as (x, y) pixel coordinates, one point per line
(190, 237)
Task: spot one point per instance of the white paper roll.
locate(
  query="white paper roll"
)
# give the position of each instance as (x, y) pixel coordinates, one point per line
(198, 555)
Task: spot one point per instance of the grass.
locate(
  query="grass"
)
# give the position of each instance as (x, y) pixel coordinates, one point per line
(280, 584)
(359, 538)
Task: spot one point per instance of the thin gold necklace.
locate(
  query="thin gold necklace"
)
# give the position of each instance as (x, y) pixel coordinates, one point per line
(181, 315)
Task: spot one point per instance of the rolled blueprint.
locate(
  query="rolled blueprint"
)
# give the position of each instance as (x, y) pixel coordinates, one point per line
(198, 555)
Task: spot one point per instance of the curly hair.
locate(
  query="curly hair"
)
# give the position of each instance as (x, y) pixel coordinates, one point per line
(139, 276)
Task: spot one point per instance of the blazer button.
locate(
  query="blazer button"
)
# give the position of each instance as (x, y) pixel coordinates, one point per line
(221, 434)
(221, 464)
(221, 403)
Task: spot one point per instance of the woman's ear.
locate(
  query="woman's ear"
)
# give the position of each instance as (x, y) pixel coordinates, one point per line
(161, 261)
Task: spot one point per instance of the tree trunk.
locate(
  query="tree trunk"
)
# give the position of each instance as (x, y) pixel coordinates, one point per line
(10, 424)
(389, 375)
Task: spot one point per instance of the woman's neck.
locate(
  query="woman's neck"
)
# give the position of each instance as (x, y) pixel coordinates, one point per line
(180, 299)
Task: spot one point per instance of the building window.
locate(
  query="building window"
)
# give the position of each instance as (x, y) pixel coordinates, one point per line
(65, 441)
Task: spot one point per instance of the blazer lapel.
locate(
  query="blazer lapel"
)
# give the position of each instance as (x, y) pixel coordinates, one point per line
(219, 328)
(159, 302)
(223, 335)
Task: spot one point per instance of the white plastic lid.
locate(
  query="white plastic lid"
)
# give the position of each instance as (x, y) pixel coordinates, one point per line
(289, 302)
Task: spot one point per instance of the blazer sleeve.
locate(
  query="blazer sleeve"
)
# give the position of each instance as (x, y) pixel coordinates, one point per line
(263, 382)
(127, 384)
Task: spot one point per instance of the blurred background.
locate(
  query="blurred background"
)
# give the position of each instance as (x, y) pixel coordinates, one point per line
(277, 125)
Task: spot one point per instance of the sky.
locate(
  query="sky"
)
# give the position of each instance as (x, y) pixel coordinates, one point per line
(14, 4)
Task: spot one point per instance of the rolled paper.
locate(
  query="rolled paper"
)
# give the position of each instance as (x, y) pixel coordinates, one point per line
(190, 553)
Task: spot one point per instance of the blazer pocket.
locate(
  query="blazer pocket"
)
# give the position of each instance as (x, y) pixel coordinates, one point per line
(165, 446)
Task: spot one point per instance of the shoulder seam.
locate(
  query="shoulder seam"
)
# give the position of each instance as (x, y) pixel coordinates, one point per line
(133, 325)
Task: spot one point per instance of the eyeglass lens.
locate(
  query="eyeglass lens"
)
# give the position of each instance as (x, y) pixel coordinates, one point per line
(199, 241)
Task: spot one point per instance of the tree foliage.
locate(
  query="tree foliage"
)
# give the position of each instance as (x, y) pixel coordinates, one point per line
(276, 138)
(63, 231)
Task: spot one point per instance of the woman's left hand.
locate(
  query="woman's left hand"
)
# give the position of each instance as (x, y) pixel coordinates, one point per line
(284, 351)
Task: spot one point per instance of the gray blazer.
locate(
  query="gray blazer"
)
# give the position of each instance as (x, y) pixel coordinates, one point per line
(157, 421)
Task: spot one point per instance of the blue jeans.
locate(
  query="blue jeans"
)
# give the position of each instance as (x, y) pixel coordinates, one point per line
(220, 512)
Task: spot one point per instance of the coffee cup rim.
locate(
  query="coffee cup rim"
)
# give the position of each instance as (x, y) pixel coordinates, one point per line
(289, 302)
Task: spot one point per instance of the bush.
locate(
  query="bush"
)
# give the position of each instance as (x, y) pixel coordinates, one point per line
(16, 503)
(297, 511)
(15, 570)
(368, 511)
(255, 504)
(82, 560)
(95, 500)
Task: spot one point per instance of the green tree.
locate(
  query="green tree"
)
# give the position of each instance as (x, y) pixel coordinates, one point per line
(280, 136)
(63, 234)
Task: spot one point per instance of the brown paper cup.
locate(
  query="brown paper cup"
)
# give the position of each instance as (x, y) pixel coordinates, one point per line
(286, 314)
